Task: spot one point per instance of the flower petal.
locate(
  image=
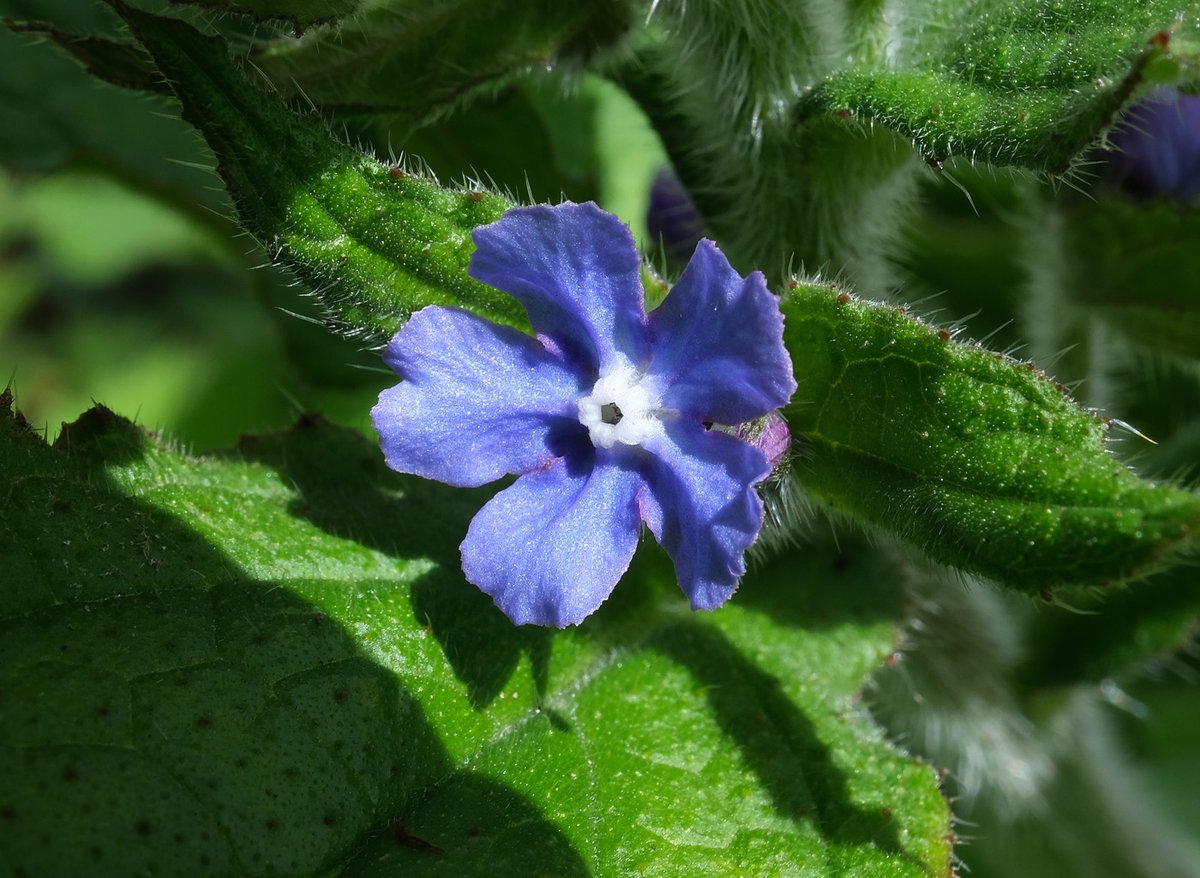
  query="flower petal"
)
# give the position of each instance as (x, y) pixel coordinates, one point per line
(478, 401)
(550, 548)
(575, 269)
(718, 343)
(702, 508)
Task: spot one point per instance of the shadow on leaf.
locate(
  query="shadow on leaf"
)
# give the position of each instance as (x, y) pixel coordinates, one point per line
(470, 825)
(776, 739)
(346, 490)
(164, 711)
(859, 583)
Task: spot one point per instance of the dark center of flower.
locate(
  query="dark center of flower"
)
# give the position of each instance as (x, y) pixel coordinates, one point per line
(610, 413)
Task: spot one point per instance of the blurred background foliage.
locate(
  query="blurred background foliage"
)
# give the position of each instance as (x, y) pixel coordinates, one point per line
(123, 276)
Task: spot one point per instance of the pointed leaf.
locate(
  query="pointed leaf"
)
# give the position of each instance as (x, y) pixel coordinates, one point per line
(90, 120)
(1029, 83)
(420, 58)
(301, 13)
(375, 242)
(981, 461)
(120, 63)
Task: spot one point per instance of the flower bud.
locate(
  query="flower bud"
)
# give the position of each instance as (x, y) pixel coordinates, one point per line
(672, 219)
(1157, 148)
(770, 435)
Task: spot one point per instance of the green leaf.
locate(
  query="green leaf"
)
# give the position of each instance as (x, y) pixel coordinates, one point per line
(1029, 83)
(90, 17)
(979, 460)
(420, 58)
(514, 137)
(375, 243)
(268, 662)
(301, 13)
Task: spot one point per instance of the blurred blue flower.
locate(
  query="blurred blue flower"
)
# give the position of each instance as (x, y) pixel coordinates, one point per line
(1157, 148)
(672, 219)
(604, 416)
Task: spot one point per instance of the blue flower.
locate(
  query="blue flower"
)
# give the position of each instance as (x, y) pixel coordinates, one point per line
(604, 416)
(1157, 147)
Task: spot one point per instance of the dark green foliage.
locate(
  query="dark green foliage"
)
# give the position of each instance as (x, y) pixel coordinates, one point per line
(300, 13)
(420, 58)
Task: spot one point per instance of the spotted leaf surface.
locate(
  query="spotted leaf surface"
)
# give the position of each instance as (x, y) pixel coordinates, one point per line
(267, 661)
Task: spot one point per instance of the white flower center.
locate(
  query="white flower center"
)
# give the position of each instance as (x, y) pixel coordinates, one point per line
(619, 409)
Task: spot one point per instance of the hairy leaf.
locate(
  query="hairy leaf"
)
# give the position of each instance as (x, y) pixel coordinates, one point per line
(374, 242)
(1116, 635)
(1029, 83)
(981, 461)
(795, 154)
(268, 662)
(301, 13)
(53, 113)
(720, 82)
(120, 63)
(420, 58)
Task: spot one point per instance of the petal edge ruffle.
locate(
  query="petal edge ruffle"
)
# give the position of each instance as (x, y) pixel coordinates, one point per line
(718, 343)
(575, 268)
(702, 507)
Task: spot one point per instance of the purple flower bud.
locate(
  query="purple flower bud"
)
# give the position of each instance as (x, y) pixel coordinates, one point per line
(770, 435)
(1157, 148)
(672, 218)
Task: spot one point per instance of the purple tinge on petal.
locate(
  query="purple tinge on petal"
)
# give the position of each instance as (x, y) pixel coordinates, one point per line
(702, 508)
(718, 343)
(1157, 147)
(478, 401)
(575, 269)
(550, 548)
(672, 218)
